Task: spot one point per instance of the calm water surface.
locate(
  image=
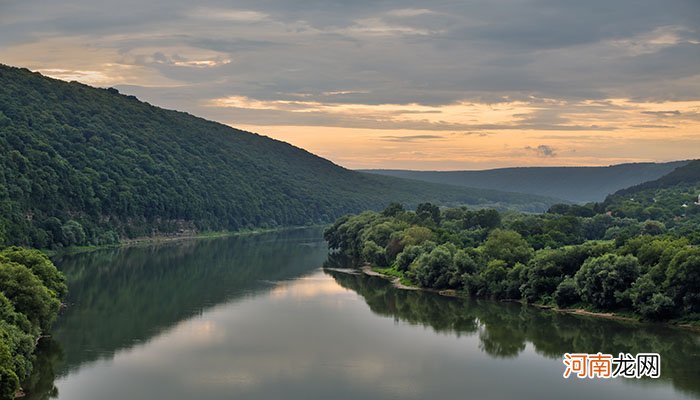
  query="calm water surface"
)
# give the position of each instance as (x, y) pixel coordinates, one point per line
(256, 318)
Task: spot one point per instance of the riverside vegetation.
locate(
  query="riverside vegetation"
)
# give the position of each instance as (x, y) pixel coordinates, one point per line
(31, 289)
(635, 253)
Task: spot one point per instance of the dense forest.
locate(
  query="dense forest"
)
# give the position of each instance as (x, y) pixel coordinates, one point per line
(638, 252)
(31, 289)
(82, 166)
(575, 184)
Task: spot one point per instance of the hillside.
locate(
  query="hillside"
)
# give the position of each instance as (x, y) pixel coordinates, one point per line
(684, 176)
(575, 184)
(671, 199)
(83, 165)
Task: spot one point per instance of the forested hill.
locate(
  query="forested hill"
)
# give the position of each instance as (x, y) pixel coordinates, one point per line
(671, 199)
(686, 175)
(82, 165)
(576, 184)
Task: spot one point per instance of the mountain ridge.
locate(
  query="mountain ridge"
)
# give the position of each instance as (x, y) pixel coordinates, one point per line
(575, 184)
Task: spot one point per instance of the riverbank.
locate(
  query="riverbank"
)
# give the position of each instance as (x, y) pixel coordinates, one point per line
(397, 283)
(162, 239)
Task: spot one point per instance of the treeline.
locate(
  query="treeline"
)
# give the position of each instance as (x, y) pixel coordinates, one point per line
(602, 257)
(87, 166)
(31, 289)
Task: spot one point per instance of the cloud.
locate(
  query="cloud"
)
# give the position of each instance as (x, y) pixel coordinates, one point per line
(224, 14)
(411, 138)
(662, 113)
(542, 150)
(520, 67)
(653, 41)
(410, 12)
(374, 26)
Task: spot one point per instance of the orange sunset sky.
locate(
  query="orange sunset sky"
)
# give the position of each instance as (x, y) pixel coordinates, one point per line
(395, 84)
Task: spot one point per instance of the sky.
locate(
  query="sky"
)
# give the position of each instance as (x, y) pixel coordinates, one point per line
(431, 85)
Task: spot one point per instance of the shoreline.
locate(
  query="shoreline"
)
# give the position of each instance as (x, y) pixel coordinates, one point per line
(396, 282)
(162, 239)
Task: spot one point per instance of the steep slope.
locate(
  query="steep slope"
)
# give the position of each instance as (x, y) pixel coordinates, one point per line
(576, 184)
(82, 165)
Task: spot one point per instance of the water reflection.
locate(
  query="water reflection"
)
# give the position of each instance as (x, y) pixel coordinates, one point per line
(119, 298)
(505, 329)
(254, 318)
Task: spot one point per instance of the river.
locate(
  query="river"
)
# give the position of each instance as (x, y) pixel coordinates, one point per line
(255, 317)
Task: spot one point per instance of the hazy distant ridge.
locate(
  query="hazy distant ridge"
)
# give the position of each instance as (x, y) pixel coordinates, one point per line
(576, 184)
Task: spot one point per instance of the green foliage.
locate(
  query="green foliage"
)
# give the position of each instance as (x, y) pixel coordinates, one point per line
(87, 166)
(683, 279)
(372, 253)
(602, 281)
(549, 267)
(408, 256)
(436, 269)
(649, 301)
(508, 246)
(393, 209)
(30, 292)
(566, 294)
(572, 256)
(40, 265)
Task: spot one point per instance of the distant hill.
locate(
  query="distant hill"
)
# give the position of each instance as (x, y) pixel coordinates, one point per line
(82, 165)
(683, 176)
(671, 199)
(575, 184)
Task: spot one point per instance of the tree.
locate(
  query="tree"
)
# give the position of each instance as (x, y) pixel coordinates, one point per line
(648, 300)
(566, 294)
(40, 265)
(602, 281)
(72, 233)
(393, 209)
(28, 295)
(683, 279)
(9, 382)
(373, 253)
(428, 211)
(542, 275)
(508, 246)
(407, 256)
(434, 269)
(494, 277)
(416, 235)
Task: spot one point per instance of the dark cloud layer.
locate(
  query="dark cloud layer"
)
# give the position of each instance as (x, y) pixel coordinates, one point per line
(377, 52)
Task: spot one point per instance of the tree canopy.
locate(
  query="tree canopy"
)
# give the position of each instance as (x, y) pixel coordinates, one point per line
(636, 252)
(85, 166)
